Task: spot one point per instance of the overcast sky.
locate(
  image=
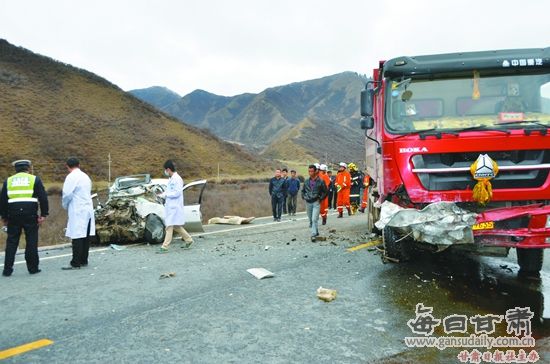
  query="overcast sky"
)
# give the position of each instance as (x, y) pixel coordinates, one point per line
(231, 47)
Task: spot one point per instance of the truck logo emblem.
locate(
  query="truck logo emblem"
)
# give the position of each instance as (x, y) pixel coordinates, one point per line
(484, 169)
(413, 150)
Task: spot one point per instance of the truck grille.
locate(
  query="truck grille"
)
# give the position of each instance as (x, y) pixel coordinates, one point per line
(450, 171)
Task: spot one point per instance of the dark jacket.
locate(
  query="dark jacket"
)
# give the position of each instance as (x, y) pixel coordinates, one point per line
(8, 210)
(317, 193)
(286, 183)
(356, 181)
(331, 188)
(293, 186)
(277, 187)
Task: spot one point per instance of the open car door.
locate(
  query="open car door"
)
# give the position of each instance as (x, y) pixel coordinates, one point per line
(192, 195)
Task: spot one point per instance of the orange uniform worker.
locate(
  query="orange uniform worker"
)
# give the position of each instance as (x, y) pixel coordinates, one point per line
(365, 200)
(343, 186)
(324, 203)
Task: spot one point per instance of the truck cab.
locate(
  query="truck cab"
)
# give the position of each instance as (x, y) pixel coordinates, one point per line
(432, 123)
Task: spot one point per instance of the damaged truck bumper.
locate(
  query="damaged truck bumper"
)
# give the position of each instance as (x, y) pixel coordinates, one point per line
(491, 227)
(445, 223)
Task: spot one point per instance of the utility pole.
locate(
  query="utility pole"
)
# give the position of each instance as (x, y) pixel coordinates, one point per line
(109, 169)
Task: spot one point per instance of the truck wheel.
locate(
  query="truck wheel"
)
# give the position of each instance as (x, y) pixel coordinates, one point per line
(394, 248)
(154, 229)
(530, 261)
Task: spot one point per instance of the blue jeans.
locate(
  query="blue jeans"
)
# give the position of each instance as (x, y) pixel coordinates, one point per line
(313, 209)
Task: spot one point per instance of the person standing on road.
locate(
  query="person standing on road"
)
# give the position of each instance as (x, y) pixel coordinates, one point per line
(293, 184)
(77, 200)
(343, 184)
(324, 202)
(365, 194)
(277, 191)
(284, 174)
(331, 191)
(21, 195)
(356, 187)
(174, 218)
(313, 192)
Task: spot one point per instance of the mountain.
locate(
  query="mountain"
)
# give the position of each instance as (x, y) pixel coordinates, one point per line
(158, 96)
(312, 140)
(260, 121)
(50, 111)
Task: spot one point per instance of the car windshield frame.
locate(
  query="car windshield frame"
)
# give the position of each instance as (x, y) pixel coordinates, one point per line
(440, 107)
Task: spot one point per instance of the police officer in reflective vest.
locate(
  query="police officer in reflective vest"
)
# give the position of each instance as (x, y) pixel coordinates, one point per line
(21, 195)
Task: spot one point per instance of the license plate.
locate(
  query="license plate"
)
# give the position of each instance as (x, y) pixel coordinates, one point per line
(484, 225)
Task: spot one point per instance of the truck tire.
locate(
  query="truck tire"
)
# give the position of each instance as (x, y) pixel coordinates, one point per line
(394, 248)
(530, 261)
(154, 229)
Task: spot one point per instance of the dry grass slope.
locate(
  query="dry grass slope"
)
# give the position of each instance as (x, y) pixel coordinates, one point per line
(50, 110)
(288, 146)
(311, 140)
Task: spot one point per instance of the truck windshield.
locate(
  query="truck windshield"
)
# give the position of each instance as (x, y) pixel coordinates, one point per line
(495, 101)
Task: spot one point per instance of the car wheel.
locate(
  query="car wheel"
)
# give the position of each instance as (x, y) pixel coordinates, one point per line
(154, 229)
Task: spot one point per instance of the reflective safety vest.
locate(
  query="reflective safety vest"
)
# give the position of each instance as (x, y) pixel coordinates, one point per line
(20, 188)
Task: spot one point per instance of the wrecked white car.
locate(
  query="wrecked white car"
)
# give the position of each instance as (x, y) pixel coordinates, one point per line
(134, 211)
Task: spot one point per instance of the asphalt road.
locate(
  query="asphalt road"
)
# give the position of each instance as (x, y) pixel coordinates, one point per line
(213, 311)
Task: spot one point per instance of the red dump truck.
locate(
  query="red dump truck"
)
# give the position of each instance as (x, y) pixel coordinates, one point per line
(467, 128)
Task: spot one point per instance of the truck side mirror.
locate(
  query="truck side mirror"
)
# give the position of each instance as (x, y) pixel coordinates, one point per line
(367, 100)
(367, 123)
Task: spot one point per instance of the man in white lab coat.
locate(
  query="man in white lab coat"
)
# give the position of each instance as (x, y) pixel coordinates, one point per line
(174, 218)
(77, 200)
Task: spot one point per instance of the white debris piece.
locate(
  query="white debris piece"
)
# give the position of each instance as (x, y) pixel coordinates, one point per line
(231, 220)
(260, 273)
(439, 223)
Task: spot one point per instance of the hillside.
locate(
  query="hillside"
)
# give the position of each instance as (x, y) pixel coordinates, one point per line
(158, 96)
(260, 120)
(50, 110)
(312, 140)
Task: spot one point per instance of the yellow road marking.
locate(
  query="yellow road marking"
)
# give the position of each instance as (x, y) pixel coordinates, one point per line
(365, 245)
(24, 348)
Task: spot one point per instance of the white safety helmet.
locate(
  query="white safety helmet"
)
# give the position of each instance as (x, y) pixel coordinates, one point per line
(317, 165)
(342, 164)
(323, 167)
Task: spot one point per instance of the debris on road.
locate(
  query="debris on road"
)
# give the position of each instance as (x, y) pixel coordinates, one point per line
(260, 273)
(365, 245)
(267, 247)
(326, 294)
(117, 247)
(231, 220)
(167, 275)
(506, 267)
